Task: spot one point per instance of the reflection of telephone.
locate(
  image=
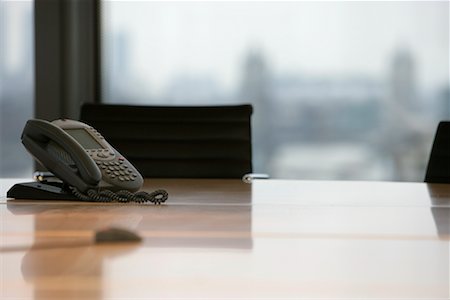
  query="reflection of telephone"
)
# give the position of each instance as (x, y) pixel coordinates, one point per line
(78, 155)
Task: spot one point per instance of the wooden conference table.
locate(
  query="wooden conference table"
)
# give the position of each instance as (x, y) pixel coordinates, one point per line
(272, 239)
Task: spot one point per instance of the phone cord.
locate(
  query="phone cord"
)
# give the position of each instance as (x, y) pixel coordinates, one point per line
(157, 197)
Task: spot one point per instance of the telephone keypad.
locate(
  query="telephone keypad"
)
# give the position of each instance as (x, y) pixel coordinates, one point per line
(116, 169)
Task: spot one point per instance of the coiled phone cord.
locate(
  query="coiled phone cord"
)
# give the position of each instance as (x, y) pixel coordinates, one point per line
(157, 197)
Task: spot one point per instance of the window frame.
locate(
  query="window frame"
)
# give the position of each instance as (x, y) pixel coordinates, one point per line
(67, 57)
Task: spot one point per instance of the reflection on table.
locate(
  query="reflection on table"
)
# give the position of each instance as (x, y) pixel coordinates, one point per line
(227, 239)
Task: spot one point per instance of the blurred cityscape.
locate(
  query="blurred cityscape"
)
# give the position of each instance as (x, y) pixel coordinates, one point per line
(306, 126)
(309, 127)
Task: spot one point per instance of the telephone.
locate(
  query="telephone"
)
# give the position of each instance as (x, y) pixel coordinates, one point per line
(86, 163)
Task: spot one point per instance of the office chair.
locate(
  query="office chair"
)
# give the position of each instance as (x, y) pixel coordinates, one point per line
(178, 142)
(438, 169)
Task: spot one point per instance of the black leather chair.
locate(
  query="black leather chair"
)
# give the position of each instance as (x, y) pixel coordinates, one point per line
(178, 142)
(438, 169)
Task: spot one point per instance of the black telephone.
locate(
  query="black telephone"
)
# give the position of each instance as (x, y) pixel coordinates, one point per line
(86, 163)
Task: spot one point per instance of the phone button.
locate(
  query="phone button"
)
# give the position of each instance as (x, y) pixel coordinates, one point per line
(102, 155)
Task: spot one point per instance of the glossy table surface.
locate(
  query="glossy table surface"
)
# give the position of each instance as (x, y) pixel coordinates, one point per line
(225, 239)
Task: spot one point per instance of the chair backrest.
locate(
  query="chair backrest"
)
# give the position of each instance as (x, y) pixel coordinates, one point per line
(178, 142)
(438, 169)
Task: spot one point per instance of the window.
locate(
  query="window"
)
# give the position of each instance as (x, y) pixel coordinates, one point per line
(16, 85)
(341, 90)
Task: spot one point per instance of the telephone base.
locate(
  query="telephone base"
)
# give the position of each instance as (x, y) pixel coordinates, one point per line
(40, 191)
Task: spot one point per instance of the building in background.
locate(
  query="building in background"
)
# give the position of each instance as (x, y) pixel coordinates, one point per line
(332, 100)
(257, 89)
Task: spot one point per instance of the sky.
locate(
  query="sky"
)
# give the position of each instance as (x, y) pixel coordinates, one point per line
(15, 15)
(315, 38)
(211, 38)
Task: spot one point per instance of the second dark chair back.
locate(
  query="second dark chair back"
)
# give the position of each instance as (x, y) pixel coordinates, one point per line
(178, 142)
(438, 169)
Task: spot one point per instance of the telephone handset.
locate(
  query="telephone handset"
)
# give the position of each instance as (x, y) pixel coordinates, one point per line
(80, 156)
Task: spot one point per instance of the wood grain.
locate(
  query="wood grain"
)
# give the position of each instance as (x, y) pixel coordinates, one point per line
(217, 239)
